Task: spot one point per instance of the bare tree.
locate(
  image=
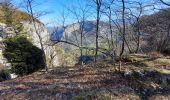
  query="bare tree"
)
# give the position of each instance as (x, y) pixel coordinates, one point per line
(168, 4)
(134, 21)
(108, 11)
(123, 33)
(29, 9)
(98, 8)
(80, 17)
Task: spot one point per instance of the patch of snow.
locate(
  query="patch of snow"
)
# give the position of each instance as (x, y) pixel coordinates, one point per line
(13, 76)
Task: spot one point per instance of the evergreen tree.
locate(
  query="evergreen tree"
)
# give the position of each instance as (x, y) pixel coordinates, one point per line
(25, 58)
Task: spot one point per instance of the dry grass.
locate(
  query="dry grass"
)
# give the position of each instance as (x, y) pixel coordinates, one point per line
(162, 61)
(147, 61)
(88, 82)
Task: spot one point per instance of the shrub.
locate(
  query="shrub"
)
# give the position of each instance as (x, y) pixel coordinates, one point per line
(167, 51)
(24, 57)
(85, 59)
(4, 75)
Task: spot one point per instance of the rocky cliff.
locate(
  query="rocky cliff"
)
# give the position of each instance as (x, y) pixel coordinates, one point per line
(29, 28)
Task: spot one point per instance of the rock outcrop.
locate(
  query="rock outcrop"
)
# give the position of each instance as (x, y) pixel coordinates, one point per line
(32, 36)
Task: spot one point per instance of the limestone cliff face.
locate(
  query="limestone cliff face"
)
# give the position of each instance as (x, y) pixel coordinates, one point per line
(28, 27)
(43, 34)
(2, 59)
(35, 38)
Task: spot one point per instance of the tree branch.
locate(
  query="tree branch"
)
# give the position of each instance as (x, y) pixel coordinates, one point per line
(165, 3)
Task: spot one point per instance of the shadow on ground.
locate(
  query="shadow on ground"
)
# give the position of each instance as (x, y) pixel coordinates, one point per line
(85, 83)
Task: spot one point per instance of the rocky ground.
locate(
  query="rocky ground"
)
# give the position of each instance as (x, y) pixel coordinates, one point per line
(93, 82)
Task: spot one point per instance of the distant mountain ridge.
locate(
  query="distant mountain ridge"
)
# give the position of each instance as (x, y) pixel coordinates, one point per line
(71, 33)
(89, 28)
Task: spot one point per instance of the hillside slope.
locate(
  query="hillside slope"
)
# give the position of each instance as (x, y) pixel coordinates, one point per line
(100, 82)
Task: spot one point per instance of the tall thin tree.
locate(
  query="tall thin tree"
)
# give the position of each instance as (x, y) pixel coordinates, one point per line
(123, 33)
(33, 20)
(98, 8)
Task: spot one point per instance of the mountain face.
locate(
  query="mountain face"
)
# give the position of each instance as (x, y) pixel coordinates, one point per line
(57, 33)
(72, 33)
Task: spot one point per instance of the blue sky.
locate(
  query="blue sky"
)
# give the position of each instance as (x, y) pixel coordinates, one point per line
(56, 8)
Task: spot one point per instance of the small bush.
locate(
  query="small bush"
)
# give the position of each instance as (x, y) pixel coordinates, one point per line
(85, 59)
(167, 51)
(24, 57)
(4, 75)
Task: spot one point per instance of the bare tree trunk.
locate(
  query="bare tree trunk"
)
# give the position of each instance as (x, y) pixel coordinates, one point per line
(37, 33)
(138, 36)
(123, 33)
(165, 2)
(138, 42)
(166, 40)
(80, 18)
(98, 6)
(139, 9)
(81, 39)
(111, 36)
